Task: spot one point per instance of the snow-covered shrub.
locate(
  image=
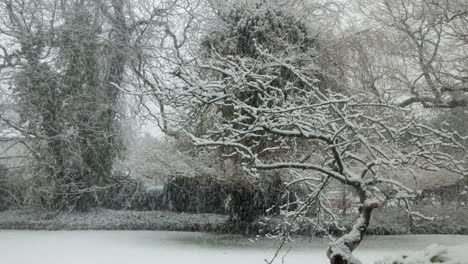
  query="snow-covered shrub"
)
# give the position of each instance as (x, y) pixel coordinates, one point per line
(249, 200)
(160, 159)
(244, 201)
(432, 254)
(124, 192)
(198, 194)
(14, 189)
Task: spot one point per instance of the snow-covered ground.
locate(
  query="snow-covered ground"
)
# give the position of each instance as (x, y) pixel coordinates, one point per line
(105, 219)
(141, 247)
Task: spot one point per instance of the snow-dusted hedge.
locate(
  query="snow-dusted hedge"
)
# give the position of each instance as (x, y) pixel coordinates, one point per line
(432, 254)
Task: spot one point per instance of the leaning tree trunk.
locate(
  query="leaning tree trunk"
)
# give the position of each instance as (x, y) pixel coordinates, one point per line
(341, 251)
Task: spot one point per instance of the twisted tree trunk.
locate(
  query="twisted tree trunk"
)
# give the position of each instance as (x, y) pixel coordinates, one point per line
(340, 251)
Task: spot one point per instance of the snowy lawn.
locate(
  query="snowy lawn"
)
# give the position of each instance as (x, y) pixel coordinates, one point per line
(105, 219)
(124, 247)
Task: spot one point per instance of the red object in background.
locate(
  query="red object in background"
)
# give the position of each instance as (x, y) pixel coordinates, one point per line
(337, 203)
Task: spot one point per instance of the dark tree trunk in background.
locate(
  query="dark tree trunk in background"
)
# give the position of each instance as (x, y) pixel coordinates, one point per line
(116, 62)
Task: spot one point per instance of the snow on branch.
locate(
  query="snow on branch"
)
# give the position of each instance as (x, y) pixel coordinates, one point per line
(273, 111)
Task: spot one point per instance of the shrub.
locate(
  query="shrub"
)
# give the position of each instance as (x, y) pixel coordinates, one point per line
(123, 192)
(199, 194)
(244, 201)
(13, 189)
(432, 254)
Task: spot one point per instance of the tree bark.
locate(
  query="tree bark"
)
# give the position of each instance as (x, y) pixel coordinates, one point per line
(340, 251)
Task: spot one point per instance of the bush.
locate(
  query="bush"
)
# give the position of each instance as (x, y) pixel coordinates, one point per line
(13, 189)
(432, 254)
(248, 201)
(123, 192)
(200, 194)
(242, 200)
(120, 192)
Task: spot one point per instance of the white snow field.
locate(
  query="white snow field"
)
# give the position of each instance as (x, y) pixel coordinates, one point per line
(144, 247)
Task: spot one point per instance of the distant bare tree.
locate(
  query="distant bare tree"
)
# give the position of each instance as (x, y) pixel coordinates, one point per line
(420, 48)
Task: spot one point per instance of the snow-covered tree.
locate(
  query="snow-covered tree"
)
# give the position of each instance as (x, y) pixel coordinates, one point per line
(421, 48)
(276, 102)
(64, 62)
